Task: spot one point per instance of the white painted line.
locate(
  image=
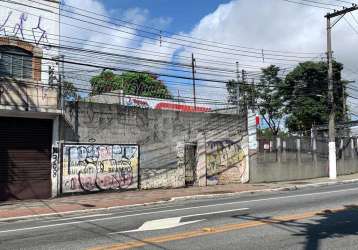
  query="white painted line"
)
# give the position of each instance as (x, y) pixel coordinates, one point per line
(79, 217)
(178, 209)
(228, 195)
(217, 212)
(174, 221)
(174, 199)
(89, 210)
(38, 217)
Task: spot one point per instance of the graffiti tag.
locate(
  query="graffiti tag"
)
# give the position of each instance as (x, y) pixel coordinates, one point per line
(97, 167)
(39, 34)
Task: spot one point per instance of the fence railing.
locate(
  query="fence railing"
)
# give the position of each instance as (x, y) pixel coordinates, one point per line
(304, 148)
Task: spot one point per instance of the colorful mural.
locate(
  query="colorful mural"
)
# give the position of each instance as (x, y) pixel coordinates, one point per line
(96, 167)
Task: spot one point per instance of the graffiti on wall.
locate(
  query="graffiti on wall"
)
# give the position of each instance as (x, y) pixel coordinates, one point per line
(225, 161)
(54, 161)
(37, 34)
(93, 167)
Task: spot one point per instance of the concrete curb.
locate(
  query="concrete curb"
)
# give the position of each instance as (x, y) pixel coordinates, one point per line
(82, 211)
(180, 198)
(285, 188)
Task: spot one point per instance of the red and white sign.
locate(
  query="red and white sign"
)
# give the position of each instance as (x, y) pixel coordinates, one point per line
(145, 102)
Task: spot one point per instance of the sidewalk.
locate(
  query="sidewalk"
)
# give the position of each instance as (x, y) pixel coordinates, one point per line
(90, 202)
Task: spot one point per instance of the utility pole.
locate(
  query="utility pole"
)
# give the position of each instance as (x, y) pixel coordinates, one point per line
(193, 71)
(62, 79)
(243, 78)
(331, 123)
(238, 88)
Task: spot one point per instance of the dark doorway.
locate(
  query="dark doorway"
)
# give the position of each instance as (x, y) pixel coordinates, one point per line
(190, 163)
(25, 158)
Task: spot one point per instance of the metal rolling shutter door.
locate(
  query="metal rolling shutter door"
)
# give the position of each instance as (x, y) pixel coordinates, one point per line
(25, 158)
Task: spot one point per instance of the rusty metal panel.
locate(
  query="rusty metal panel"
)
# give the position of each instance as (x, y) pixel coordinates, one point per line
(25, 158)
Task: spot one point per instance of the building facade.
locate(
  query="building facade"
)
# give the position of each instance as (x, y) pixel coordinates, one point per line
(29, 98)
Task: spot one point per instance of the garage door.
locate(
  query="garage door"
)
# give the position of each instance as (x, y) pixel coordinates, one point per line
(25, 158)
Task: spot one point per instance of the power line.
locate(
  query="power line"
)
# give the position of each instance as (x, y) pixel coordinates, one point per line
(306, 4)
(258, 55)
(162, 31)
(355, 20)
(350, 25)
(180, 35)
(209, 80)
(317, 2)
(342, 1)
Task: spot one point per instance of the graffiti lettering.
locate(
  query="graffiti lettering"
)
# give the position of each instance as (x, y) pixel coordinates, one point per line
(19, 27)
(39, 34)
(222, 157)
(99, 167)
(42, 32)
(54, 162)
(3, 25)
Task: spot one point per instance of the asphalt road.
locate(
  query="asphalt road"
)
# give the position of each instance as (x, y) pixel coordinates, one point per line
(311, 218)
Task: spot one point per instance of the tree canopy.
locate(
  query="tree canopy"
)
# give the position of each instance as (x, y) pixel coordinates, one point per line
(69, 91)
(301, 98)
(306, 95)
(264, 97)
(132, 83)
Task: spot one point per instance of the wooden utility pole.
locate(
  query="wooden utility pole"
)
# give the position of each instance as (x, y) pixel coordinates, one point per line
(331, 123)
(193, 71)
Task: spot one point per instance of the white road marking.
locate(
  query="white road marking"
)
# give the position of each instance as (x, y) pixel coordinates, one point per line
(174, 221)
(173, 210)
(217, 212)
(42, 217)
(159, 224)
(79, 217)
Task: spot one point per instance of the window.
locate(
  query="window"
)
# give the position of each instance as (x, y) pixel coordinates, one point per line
(15, 62)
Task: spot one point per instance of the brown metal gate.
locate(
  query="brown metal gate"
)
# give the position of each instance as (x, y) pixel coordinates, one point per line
(190, 163)
(25, 158)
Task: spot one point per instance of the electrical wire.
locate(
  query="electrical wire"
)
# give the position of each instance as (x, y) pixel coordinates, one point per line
(259, 51)
(273, 56)
(306, 4)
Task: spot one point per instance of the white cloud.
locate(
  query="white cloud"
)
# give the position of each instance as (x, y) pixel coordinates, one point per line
(271, 25)
(266, 24)
(105, 32)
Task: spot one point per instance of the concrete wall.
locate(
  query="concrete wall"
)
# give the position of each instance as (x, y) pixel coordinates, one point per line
(27, 96)
(158, 133)
(308, 159)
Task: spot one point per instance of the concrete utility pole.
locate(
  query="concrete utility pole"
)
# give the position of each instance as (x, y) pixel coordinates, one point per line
(331, 123)
(193, 71)
(238, 88)
(243, 77)
(62, 82)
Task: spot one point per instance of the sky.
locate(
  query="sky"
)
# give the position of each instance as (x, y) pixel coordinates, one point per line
(252, 26)
(183, 14)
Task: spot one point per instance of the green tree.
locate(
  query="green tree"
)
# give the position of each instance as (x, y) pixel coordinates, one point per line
(70, 91)
(132, 83)
(306, 95)
(265, 97)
